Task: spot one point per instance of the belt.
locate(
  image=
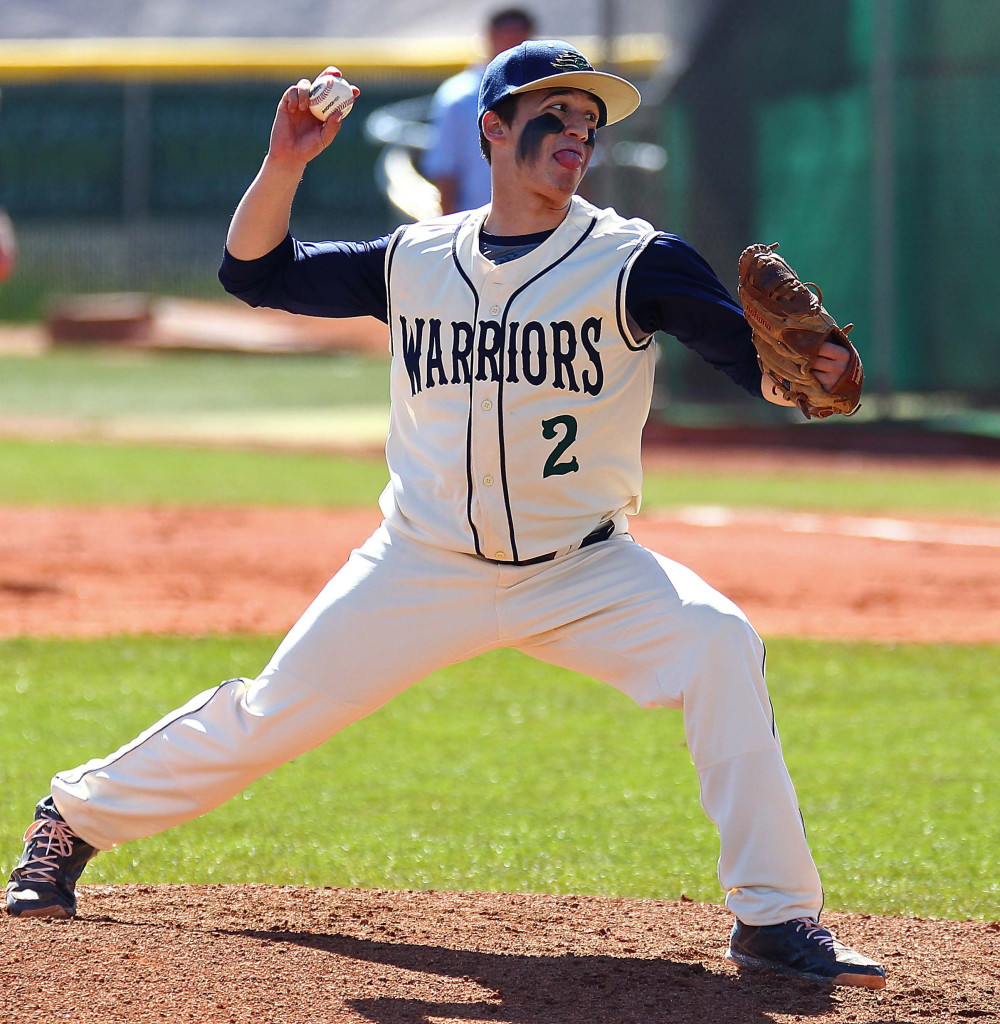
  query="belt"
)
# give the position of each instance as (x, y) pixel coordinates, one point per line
(602, 532)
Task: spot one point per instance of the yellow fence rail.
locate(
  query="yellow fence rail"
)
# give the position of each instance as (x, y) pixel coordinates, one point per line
(41, 60)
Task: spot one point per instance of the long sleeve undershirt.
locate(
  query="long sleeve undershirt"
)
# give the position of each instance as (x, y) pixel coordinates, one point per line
(670, 289)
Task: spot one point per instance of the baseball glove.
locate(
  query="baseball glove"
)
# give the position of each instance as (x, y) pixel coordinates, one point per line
(789, 325)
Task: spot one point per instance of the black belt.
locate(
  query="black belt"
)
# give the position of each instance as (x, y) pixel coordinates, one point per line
(603, 532)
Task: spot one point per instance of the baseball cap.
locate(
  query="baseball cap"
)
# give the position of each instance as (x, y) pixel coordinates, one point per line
(548, 64)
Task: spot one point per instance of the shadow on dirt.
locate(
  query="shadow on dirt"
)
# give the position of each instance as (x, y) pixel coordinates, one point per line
(569, 989)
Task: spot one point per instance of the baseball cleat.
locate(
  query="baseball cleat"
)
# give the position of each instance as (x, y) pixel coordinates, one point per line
(805, 949)
(43, 884)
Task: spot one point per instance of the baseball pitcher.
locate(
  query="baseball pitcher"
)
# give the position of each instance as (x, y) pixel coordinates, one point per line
(521, 375)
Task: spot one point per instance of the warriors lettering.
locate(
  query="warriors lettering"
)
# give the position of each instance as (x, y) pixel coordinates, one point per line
(558, 353)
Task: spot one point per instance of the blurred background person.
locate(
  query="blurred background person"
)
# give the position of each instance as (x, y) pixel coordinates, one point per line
(8, 244)
(453, 161)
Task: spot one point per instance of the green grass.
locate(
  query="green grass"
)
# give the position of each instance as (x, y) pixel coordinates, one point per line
(505, 774)
(116, 382)
(72, 473)
(895, 491)
(95, 474)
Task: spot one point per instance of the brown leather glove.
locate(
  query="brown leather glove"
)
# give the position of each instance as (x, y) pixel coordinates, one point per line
(789, 325)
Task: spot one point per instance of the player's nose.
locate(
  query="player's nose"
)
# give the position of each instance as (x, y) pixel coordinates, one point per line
(577, 126)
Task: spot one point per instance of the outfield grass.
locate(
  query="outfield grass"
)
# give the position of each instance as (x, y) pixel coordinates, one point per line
(106, 382)
(902, 492)
(506, 774)
(95, 474)
(71, 473)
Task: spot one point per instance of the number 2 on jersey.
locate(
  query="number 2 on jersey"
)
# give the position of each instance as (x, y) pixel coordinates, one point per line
(553, 467)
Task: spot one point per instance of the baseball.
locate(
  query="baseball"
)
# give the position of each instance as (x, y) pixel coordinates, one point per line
(329, 95)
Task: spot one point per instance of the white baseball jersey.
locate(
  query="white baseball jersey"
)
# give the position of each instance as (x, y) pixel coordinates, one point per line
(518, 393)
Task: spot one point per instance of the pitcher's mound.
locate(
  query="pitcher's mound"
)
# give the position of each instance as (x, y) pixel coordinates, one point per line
(297, 955)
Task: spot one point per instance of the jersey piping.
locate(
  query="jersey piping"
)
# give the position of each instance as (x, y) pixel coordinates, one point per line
(388, 289)
(503, 322)
(468, 429)
(622, 313)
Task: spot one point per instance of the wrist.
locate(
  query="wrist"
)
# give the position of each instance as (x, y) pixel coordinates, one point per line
(771, 393)
(283, 166)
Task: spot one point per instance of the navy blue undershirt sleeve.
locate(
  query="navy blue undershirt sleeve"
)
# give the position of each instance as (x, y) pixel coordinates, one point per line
(334, 279)
(672, 289)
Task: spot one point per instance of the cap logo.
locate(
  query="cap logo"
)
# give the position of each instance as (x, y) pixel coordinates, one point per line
(570, 60)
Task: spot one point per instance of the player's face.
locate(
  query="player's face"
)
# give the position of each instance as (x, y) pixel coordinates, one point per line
(554, 132)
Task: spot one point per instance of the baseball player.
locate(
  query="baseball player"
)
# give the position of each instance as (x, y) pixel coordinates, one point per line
(521, 375)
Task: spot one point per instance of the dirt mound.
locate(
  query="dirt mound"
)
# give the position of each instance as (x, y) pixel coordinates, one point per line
(268, 954)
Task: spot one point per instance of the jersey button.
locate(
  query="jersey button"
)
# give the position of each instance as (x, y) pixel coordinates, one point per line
(487, 405)
(488, 480)
(494, 310)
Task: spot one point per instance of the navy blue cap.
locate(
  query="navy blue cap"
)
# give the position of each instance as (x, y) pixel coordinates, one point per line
(547, 64)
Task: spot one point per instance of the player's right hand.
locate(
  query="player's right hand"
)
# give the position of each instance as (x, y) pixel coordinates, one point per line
(831, 362)
(296, 135)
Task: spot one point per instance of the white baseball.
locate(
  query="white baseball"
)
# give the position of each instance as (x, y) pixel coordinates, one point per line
(329, 95)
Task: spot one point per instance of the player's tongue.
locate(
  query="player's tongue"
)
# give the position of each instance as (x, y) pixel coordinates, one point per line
(569, 159)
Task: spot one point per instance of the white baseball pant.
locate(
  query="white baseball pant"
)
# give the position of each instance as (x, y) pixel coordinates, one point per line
(399, 610)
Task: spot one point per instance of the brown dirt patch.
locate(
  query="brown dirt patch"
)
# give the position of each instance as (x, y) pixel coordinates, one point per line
(346, 956)
(74, 572)
(97, 572)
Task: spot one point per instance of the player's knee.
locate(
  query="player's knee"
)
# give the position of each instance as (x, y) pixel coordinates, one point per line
(729, 649)
(721, 621)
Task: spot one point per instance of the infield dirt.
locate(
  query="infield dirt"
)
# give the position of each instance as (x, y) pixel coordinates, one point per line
(75, 572)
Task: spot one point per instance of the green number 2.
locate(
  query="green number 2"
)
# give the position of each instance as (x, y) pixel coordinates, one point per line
(553, 467)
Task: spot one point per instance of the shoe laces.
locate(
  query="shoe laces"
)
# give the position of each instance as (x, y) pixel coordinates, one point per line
(49, 840)
(815, 932)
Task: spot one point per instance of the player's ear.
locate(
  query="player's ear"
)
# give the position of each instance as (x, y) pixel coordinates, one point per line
(493, 126)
